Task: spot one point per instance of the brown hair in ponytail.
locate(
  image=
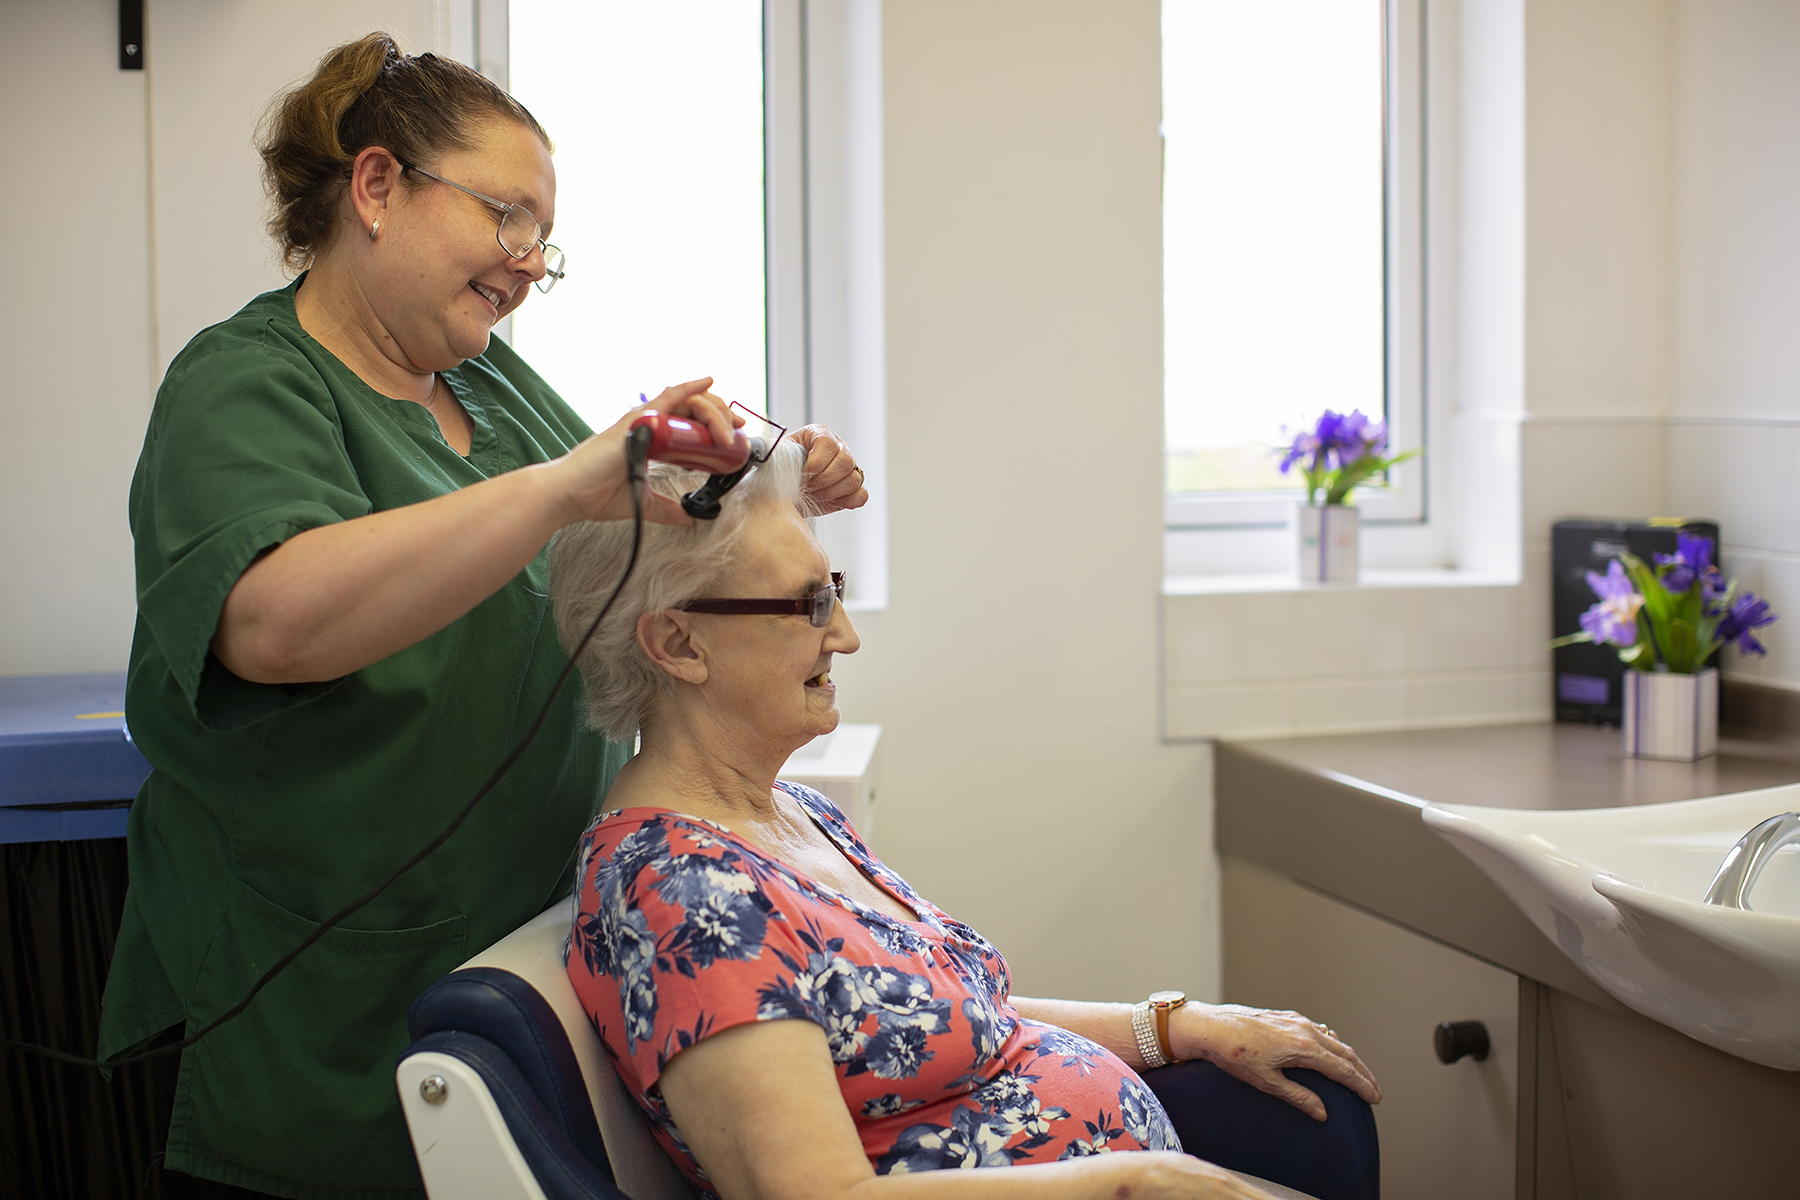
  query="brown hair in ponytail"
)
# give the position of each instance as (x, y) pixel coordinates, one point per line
(366, 93)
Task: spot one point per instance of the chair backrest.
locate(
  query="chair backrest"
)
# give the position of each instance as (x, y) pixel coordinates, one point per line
(534, 952)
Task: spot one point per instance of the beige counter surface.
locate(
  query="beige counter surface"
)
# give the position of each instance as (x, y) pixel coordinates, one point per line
(1341, 814)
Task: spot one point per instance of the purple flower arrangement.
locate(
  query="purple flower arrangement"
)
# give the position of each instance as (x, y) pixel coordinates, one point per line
(1338, 453)
(1671, 616)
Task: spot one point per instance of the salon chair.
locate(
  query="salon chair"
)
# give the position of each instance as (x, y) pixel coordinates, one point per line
(509, 1095)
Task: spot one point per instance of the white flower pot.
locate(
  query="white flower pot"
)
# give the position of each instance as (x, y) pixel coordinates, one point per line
(1671, 716)
(1325, 539)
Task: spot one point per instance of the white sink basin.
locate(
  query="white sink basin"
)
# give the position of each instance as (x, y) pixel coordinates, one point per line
(1618, 890)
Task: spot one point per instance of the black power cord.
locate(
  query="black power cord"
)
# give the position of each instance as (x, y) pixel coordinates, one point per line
(637, 448)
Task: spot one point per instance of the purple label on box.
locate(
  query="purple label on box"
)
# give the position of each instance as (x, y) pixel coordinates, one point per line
(1583, 689)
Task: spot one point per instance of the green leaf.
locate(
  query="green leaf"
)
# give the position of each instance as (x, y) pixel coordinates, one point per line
(1680, 645)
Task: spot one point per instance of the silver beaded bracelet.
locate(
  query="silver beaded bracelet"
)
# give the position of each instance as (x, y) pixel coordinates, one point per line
(1143, 1027)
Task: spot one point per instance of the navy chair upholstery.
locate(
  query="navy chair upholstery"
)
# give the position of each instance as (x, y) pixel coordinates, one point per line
(562, 1171)
(506, 1031)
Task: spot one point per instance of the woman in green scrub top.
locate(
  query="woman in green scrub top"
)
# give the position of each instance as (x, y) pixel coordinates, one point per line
(340, 515)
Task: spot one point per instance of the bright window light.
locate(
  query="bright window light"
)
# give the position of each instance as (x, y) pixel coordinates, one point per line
(656, 111)
(1273, 251)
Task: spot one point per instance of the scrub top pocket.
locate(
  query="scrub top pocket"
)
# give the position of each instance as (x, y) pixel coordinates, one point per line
(300, 1057)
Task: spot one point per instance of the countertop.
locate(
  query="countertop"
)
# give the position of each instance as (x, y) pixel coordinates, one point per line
(1341, 815)
(1543, 765)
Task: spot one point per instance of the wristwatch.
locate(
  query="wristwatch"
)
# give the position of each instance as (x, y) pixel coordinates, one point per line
(1150, 1026)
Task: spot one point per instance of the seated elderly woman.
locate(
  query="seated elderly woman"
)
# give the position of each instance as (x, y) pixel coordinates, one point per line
(793, 1017)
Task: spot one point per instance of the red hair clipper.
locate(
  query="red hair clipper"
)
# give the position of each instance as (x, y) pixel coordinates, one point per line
(683, 442)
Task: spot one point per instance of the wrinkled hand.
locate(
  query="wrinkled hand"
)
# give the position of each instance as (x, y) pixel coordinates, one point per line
(833, 480)
(1254, 1044)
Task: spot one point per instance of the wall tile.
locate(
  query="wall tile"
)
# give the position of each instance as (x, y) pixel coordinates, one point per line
(1242, 710)
(1740, 475)
(1536, 700)
(1462, 699)
(1321, 706)
(1350, 632)
(1604, 469)
(1215, 638)
(1535, 606)
(1463, 628)
(1781, 578)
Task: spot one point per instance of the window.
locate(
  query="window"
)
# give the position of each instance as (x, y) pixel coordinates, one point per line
(1291, 244)
(657, 115)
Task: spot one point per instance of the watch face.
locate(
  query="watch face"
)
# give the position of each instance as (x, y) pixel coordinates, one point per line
(1170, 999)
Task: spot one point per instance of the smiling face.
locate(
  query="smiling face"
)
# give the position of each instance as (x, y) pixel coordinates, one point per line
(442, 278)
(770, 676)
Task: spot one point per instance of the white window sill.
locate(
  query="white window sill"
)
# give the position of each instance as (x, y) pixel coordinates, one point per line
(1371, 579)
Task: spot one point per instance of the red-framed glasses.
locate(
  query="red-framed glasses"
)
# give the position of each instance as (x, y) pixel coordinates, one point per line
(819, 607)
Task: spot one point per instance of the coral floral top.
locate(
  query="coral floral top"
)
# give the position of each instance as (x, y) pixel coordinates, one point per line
(685, 930)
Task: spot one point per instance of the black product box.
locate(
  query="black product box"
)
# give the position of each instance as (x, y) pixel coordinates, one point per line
(1587, 677)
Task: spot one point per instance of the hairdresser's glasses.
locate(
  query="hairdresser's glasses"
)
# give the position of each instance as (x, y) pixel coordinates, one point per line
(519, 230)
(819, 607)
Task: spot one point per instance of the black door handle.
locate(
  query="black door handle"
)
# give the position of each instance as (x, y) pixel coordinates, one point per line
(1456, 1039)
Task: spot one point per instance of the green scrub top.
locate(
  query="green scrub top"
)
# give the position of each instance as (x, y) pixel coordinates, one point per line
(270, 806)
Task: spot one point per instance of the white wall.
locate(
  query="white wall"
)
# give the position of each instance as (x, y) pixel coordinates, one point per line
(1015, 670)
(213, 66)
(151, 230)
(75, 336)
(1733, 440)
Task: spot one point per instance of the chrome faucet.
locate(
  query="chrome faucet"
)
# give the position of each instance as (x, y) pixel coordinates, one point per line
(1746, 860)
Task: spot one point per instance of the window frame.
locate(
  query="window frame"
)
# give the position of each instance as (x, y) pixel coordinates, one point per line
(1404, 500)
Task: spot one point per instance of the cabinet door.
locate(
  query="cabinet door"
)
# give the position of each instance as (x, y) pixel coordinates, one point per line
(1445, 1130)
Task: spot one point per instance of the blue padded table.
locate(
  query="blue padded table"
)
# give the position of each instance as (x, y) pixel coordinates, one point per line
(68, 768)
(68, 773)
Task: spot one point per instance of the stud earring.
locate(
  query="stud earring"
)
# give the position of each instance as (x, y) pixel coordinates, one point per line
(374, 229)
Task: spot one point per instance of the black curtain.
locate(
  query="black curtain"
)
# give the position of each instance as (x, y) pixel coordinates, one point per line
(66, 1132)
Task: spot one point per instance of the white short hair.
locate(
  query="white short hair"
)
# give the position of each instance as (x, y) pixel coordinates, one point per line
(676, 564)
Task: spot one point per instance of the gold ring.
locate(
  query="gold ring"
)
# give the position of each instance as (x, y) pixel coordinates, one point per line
(860, 477)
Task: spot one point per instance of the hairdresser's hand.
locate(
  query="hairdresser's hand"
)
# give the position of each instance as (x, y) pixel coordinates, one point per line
(833, 480)
(1254, 1044)
(593, 475)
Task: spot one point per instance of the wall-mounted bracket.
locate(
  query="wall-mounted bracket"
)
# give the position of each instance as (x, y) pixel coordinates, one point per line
(131, 35)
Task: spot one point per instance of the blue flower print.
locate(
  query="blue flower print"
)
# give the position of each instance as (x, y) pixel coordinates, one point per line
(895, 938)
(637, 986)
(989, 1028)
(1010, 1098)
(1075, 1050)
(890, 1105)
(824, 989)
(1101, 1132)
(972, 1139)
(726, 913)
(616, 940)
(1144, 1117)
(897, 1051)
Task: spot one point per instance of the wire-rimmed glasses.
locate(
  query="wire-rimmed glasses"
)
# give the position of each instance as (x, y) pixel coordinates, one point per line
(818, 608)
(519, 230)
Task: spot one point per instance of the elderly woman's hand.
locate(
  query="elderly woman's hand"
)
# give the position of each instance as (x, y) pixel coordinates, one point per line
(1254, 1044)
(833, 480)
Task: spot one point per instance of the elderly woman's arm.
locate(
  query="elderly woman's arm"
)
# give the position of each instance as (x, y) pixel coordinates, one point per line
(760, 1108)
(1252, 1044)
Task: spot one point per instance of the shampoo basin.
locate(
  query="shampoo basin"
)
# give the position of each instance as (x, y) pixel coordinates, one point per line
(1620, 891)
